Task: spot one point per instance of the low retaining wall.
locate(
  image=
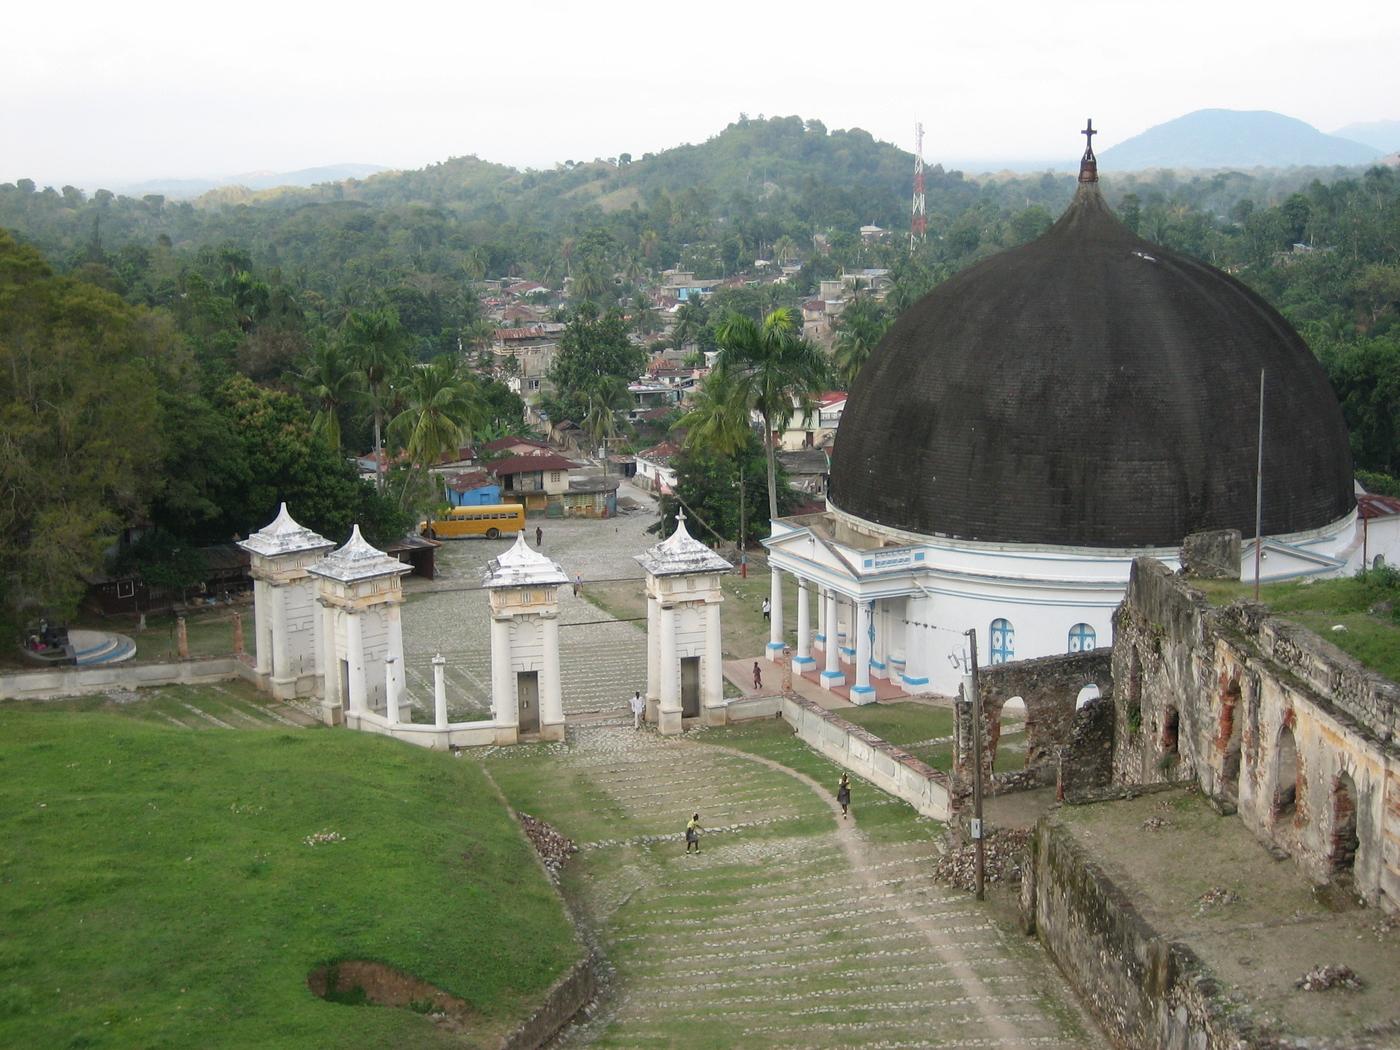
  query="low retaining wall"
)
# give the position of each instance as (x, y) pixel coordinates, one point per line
(74, 681)
(870, 758)
(565, 998)
(1146, 991)
(748, 708)
(457, 734)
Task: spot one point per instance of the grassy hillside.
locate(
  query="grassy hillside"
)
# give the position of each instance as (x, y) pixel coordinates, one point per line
(158, 888)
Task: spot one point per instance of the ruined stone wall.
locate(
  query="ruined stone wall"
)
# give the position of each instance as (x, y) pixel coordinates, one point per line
(1049, 685)
(1086, 765)
(1147, 992)
(1266, 717)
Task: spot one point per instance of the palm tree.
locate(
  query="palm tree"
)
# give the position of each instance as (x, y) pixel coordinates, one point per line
(784, 248)
(376, 347)
(332, 383)
(690, 318)
(778, 372)
(858, 330)
(441, 409)
(604, 396)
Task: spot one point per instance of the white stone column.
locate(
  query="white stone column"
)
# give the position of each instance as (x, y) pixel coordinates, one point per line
(831, 675)
(821, 641)
(399, 684)
(391, 688)
(669, 713)
(503, 706)
(262, 628)
(551, 690)
(439, 691)
(862, 692)
(803, 660)
(775, 614)
(330, 665)
(355, 656)
(277, 598)
(653, 649)
(712, 683)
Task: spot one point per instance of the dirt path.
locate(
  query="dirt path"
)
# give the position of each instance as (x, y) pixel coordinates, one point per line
(856, 849)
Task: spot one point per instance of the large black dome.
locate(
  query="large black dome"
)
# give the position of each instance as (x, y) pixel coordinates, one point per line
(1090, 389)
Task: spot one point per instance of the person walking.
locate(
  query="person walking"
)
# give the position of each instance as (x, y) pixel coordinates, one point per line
(692, 834)
(767, 609)
(757, 676)
(578, 583)
(539, 536)
(638, 707)
(843, 794)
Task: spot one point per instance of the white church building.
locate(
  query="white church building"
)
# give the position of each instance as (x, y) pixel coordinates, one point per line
(1030, 427)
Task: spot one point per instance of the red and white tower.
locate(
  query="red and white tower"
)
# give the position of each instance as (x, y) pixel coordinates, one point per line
(918, 220)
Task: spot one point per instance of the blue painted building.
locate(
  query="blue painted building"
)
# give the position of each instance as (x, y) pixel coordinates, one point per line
(473, 488)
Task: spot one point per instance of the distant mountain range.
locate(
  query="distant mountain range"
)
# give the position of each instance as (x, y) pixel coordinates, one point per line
(253, 180)
(1228, 138)
(1384, 135)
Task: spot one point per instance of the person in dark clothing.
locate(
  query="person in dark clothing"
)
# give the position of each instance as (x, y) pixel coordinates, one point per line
(539, 536)
(843, 793)
(757, 676)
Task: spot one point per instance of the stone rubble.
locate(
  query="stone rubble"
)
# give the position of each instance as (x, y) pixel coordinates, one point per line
(554, 849)
(1330, 976)
(1006, 848)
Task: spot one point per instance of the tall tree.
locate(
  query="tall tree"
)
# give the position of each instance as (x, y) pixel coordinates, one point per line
(442, 409)
(778, 373)
(718, 424)
(376, 342)
(333, 385)
(858, 330)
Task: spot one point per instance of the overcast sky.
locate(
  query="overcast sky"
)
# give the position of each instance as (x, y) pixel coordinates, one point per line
(107, 93)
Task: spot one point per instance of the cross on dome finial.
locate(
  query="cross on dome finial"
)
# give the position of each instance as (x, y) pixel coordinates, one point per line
(680, 515)
(1089, 165)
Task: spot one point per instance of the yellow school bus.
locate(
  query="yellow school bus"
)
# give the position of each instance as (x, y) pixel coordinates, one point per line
(489, 520)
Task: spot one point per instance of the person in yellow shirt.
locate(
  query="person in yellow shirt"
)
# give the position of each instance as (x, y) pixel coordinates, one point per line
(692, 834)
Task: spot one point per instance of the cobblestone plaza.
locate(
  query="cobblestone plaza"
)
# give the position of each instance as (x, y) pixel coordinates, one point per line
(602, 660)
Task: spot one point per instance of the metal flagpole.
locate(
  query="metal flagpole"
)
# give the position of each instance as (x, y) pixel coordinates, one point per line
(1259, 493)
(975, 695)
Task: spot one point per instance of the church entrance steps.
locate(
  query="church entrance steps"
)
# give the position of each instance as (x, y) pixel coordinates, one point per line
(791, 927)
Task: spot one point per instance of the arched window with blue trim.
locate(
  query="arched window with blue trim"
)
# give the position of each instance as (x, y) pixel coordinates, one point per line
(1003, 641)
(1082, 638)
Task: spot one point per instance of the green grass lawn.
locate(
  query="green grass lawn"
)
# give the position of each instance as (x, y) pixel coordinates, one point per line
(156, 888)
(1371, 638)
(902, 724)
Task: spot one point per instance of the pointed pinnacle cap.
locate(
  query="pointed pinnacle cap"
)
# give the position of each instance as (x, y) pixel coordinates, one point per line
(284, 536)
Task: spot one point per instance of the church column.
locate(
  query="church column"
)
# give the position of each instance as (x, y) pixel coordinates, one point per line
(262, 628)
(862, 692)
(821, 619)
(551, 690)
(846, 618)
(503, 707)
(775, 614)
(355, 656)
(712, 685)
(669, 720)
(803, 660)
(832, 675)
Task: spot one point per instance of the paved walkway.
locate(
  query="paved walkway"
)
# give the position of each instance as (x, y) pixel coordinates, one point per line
(792, 927)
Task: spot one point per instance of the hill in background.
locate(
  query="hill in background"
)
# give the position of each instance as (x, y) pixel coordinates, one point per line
(1227, 138)
(177, 189)
(1383, 135)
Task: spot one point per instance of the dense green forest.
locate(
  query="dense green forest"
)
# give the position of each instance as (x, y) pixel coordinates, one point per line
(183, 365)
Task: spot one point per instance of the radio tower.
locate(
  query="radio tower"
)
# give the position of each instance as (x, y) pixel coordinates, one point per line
(918, 221)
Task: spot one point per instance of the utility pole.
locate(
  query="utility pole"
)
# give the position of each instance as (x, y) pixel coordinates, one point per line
(975, 695)
(1259, 493)
(918, 219)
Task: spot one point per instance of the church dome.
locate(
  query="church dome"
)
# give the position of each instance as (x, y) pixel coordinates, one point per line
(1090, 389)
